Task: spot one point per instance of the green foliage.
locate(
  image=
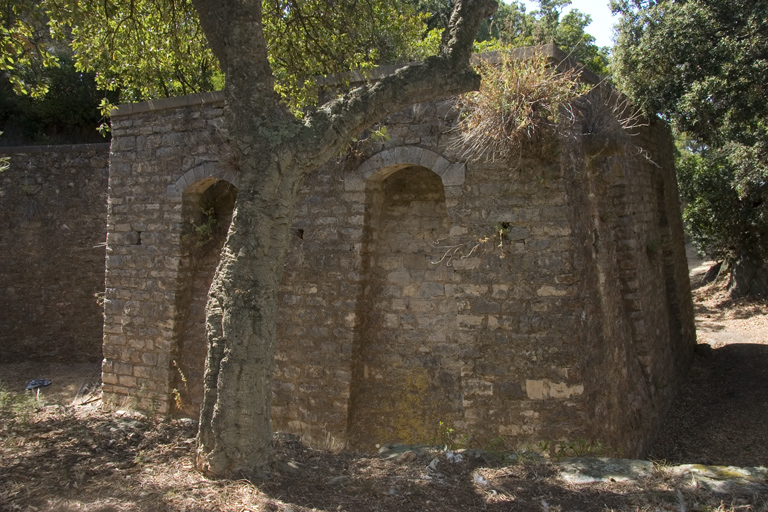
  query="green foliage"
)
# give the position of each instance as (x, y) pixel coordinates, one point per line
(448, 437)
(146, 49)
(318, 37)
(66, 114)
(567, 32)
(722, 222)
(205, 229)
(519, 100)
(703, 64)
(512, 26)
(25, 46)
(143, 49)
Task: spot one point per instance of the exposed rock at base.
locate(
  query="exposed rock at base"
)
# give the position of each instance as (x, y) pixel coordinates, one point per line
(590, 470)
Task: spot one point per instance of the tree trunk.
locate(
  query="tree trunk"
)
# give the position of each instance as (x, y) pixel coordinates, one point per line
(749, 276)
(235, 433)
(273, 151)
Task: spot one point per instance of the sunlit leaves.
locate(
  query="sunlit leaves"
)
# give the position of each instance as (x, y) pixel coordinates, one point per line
(144, 49)
(703, 64)
(24, 45)
(156, 48)
(307, 38)
(512, 25)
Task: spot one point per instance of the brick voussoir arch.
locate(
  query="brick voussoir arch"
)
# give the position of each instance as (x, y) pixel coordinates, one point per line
(385, 163)
(200, 176)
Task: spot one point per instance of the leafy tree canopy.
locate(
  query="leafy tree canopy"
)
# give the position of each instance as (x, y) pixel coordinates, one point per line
(703, 65)
(156, 48)
(68, 113)
(25, 45)
(511, 25)
(147, 49)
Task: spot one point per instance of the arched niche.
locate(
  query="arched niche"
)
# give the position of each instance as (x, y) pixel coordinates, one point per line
(207, 207)
(406, 374)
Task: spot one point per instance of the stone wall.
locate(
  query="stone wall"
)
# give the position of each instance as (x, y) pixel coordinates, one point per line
(162, 163)
(52, 231)
(545, 299)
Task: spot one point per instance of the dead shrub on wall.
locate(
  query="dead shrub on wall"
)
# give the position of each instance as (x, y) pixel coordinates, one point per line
(520, 100)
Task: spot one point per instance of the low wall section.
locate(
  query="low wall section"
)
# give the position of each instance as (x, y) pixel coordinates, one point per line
(53, 206)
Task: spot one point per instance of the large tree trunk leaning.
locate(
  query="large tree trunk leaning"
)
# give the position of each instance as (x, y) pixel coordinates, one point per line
(273, 152)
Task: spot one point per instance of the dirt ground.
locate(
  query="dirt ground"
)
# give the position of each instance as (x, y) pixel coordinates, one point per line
(721, 414)
(60, 452)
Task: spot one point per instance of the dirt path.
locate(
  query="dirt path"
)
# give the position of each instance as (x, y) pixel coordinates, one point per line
(721, 414)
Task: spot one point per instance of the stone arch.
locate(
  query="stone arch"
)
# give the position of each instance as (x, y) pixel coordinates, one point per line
(207, 207)
(385, 163)
(200, 177)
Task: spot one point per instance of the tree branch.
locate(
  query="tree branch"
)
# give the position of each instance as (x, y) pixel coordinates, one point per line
(329, 129)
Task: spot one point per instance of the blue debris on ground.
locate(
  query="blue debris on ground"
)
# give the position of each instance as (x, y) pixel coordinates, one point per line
(37, 383)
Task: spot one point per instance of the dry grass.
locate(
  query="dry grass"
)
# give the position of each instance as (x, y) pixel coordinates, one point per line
(519, 101)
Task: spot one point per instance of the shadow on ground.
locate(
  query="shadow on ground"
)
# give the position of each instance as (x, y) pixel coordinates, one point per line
(721, 413)
(100, 463)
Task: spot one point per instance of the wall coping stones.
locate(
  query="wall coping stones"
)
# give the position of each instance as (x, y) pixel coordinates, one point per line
(65, 148)
(168, 103)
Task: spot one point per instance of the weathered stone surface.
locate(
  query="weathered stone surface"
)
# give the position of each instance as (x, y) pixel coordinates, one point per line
(726, 479)
(585, 470)
(750, 481)
(401, 305)
(53, 207)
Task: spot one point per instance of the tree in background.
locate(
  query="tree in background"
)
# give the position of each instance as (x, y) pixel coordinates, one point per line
(512, 26)
(703, 65)
(127, 51)
(67, 113)
(44, 99)
(157, 49)
(25, 45)
(142, 50)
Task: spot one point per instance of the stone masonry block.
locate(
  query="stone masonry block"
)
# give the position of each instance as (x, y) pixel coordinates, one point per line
(454, 174)
(428, 159)
(354, 182)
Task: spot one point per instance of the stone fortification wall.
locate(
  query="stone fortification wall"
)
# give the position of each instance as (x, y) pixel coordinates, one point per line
(53, 205)
(545, 299)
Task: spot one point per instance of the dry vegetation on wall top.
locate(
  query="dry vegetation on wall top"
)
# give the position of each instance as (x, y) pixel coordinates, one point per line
(529, 102)
(519, 100)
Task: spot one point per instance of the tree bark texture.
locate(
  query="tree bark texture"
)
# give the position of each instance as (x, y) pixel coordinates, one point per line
(273, 151)
(749, 276)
